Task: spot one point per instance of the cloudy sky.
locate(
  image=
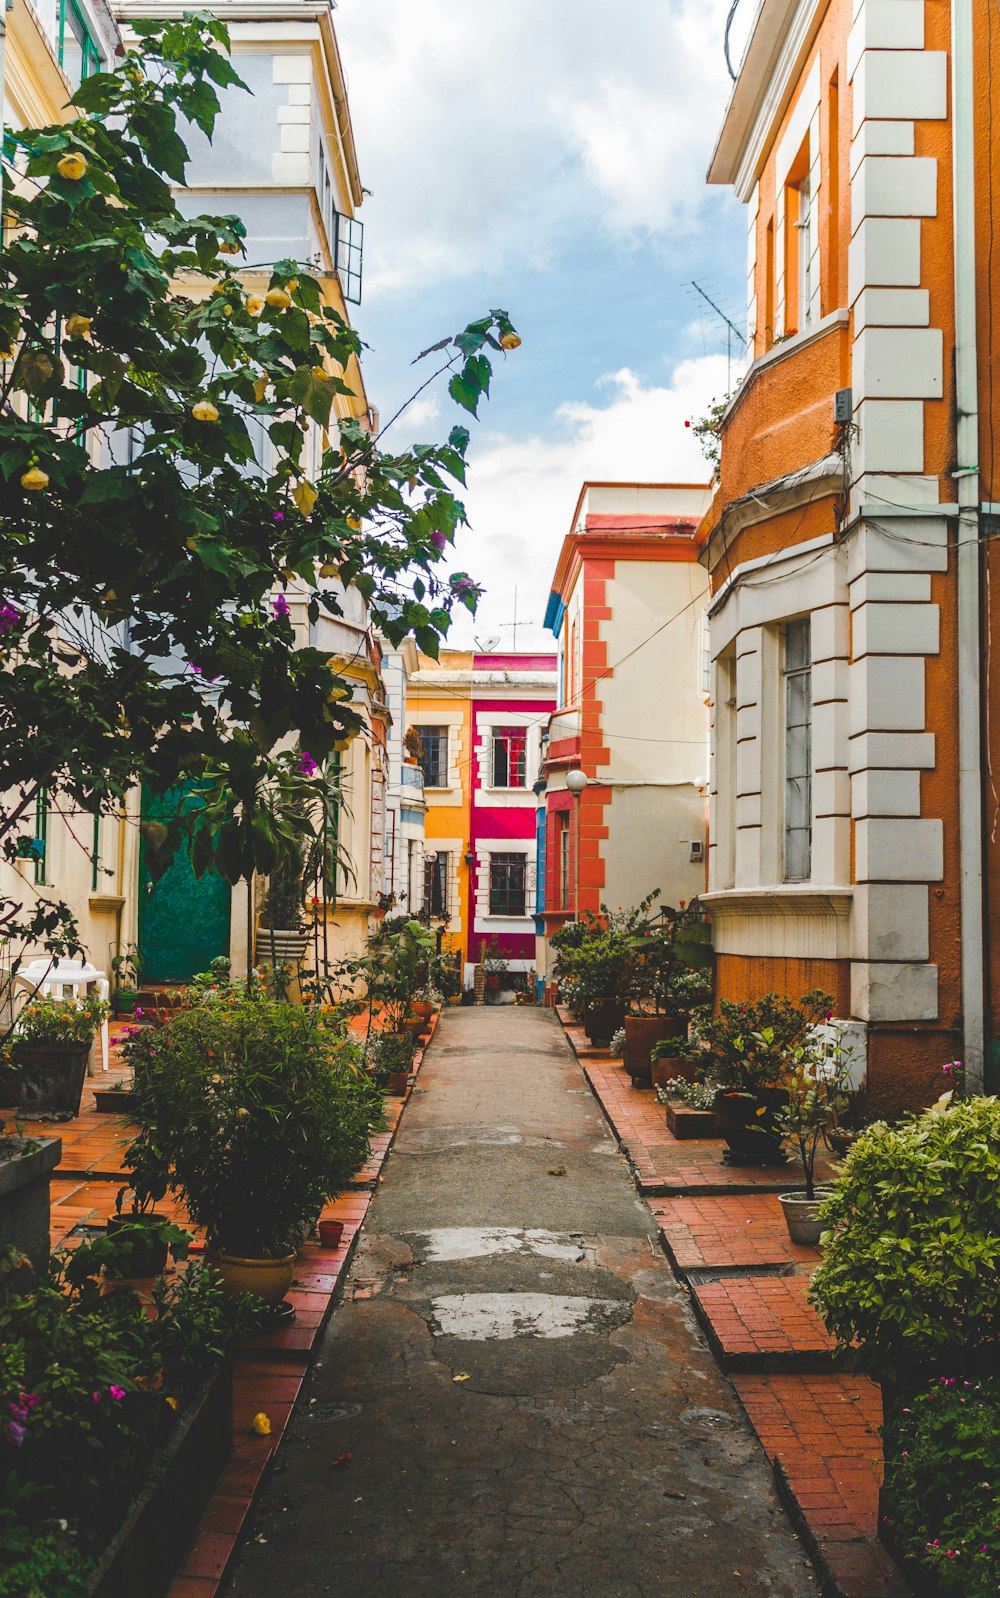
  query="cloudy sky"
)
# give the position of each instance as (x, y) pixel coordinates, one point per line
(546, 156)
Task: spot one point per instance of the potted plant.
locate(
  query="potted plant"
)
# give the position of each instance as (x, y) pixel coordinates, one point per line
(145, 1235)
(413, 747)
(50, 1046)
(746, 1048)
(595, 961)
(911, 1259)
(690, 1107)
(390, 1060)
(497, 970)
(671, 983)
(815, 1083)
(392, 970)
(261, 1111)
(126, 968)
(26, 1166)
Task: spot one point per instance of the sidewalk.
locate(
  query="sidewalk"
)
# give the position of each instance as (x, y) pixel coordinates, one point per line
(722, 1229)
(512, 1396)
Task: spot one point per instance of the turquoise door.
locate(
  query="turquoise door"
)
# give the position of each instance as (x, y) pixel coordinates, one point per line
(183, 922)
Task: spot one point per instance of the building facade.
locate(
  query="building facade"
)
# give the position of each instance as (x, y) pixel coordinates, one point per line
(480, 719)
(845, 543)
(627, 606)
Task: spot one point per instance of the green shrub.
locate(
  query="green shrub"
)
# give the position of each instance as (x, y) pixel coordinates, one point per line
(747, 1047)
(943, 1485)
(911, 1265)
(261, 1111)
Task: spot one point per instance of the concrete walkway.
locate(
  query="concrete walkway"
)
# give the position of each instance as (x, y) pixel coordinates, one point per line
(513, 1399)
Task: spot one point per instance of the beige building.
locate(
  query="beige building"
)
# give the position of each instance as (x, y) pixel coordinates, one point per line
(627, 606)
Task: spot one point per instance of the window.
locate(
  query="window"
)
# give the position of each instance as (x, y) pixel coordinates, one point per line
(434, 760)
(349, 249)
(436, 886)
(509, 744)
(41, 832)
(798, 751)
(563, 825)
(79, 56)
(508, 882)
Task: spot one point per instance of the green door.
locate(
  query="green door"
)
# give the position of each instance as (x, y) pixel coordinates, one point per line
(183, 922)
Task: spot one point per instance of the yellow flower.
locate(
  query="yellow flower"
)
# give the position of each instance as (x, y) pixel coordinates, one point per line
(171, 1401)
(241, 1113)
(73, 165)
(510, 341)
(204, 411)
(254, 304)
(261, 1425)
(78, 326)
(355, 522)
(305, 497)
(34, 479)
(278, 299)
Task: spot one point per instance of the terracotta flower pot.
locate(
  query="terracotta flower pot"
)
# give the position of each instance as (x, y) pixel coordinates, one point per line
(667, 1068)
(642, 1032)
(396, 1083)
(746, 1121)
(602, 1018)
(267, 1279)
(331, 1233)
(423, 1008)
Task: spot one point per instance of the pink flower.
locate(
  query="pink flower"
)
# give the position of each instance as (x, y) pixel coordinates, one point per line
(15, 1433)
(117, 1393)
(138, 1011)
(281, 606)
(437, 539)
(307, 764)
(95, 1398)
(9, 619)
(277, 516)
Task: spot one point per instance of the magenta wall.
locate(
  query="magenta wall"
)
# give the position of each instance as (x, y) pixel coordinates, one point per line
(504, 821)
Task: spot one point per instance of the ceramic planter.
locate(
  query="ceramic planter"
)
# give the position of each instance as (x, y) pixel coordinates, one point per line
(396, 1083)
(277, 947)
(142, 1559)
(331, 1233)
(746, 1121)
(602, 1018)
(149, 1256)
(52, 1076)
(642, 1033)
(801, 1216)
(267, 1279)
(124, 1001)
(666, 1069)
(24, 1197)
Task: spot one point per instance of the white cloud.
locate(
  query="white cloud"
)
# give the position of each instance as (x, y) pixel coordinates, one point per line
(492, 132)
(522, 491)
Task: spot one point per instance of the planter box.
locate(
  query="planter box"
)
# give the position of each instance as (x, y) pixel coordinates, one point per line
(113, 1101)
(642, 1033)
(142, 1560)
(52, 1075)
(24, 1198)
(687, 1123)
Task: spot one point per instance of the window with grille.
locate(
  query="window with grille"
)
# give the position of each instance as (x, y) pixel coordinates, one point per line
(798, 751)
(434, 760)
(509, 746)
(436, 886)
(350, 247)
(508, 884)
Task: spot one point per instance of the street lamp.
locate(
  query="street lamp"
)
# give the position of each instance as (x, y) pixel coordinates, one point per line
(576, 781)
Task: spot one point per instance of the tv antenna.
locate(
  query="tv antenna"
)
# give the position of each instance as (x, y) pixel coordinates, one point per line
(731, 331)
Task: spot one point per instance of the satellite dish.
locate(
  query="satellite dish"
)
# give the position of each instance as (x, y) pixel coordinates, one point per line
(486, 646)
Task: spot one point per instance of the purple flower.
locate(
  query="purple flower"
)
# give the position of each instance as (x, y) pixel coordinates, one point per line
(439, 541)
(95, 1398)
(281, 606)
(15, 1433)
(117, 1393)
(307, 764)
(138, 1011)
(277, 516)
(9, 619)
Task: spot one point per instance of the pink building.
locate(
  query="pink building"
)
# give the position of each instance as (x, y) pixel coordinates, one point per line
(513, 696)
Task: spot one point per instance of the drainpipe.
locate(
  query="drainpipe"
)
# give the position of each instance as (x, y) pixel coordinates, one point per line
(968, 558)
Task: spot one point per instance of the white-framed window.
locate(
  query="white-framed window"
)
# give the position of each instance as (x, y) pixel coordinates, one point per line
(508, 764)
(797, 696)
(562, 822)
(434, 759)
(436, 885)
(508, 885)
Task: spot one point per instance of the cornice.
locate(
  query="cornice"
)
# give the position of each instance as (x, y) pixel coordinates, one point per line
(782, 36)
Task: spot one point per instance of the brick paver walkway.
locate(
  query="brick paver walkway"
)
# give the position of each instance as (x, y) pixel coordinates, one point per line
(745, 1232)
(763, 1323)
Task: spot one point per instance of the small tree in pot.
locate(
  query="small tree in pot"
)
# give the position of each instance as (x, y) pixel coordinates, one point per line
(816, 1081)
(262, 1112)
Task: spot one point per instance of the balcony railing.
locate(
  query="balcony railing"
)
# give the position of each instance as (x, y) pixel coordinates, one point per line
(413, 777)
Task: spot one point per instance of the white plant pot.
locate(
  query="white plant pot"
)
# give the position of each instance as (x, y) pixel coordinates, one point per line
(281, 947)
(801, 1216)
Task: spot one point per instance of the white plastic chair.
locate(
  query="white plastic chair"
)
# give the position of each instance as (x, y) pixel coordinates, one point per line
(67, 979)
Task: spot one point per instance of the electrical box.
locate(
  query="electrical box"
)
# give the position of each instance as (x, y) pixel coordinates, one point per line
(843, 405)
(697, 848)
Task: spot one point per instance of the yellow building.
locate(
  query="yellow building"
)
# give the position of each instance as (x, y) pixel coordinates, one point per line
(439, 707)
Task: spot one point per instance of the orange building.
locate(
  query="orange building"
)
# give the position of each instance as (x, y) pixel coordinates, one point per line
(845, 541)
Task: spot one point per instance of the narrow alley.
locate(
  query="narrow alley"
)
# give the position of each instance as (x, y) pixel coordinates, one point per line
(512, 1397)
